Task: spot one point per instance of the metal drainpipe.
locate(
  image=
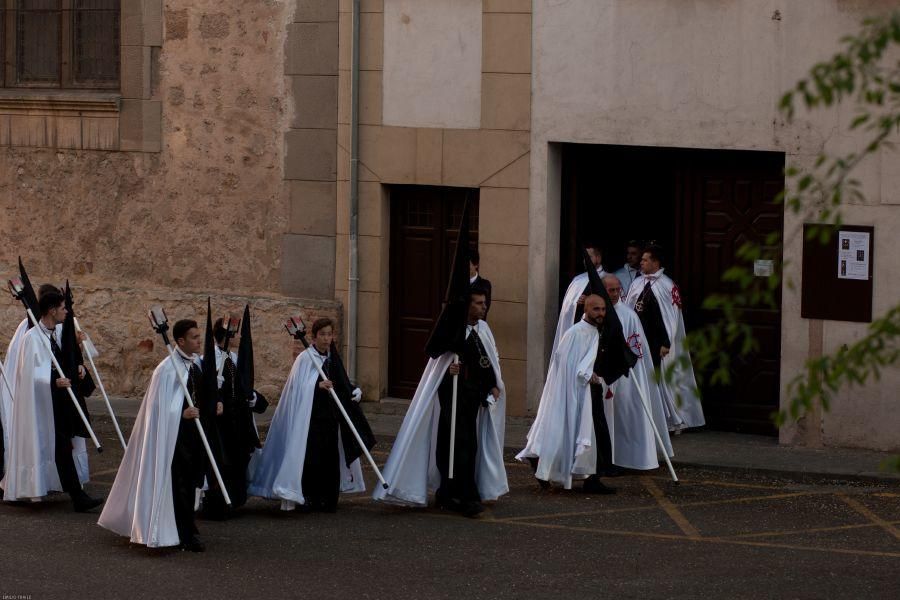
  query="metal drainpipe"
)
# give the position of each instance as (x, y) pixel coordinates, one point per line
(352, 299)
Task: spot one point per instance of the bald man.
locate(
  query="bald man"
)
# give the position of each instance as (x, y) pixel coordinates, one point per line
(633, 441)
(561, 443)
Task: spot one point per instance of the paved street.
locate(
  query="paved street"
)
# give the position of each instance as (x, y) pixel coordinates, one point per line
(716, 534)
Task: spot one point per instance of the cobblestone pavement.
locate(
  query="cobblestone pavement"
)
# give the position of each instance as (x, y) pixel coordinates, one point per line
(718, 534)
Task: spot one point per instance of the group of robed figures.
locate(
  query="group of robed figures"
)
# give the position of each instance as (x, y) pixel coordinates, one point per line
(195, 445)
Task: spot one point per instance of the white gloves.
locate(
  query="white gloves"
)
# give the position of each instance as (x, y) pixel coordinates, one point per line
(252, 402)
(356, 395)
(220, 380)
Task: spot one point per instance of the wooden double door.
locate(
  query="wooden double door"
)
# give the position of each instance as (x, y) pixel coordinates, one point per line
(700, 205)
(424, 227)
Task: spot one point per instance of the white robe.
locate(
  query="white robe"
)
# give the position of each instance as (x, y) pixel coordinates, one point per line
(680, 399)
(411, 470)
(12, 359)
(30, 456)
(562, 435)
(277, 471)
(570, 304)
(79, 447)
(626, 276)
(634, 445)
(140, 504)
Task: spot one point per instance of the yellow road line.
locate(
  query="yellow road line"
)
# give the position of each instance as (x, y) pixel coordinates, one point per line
(864, 511)
(802, 531)
(709, 540)
(671, 510)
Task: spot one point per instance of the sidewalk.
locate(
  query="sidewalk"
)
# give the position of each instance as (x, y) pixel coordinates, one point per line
(707, 449)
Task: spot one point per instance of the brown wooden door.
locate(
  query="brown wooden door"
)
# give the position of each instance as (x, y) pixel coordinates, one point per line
(728, 199)
(424, 227)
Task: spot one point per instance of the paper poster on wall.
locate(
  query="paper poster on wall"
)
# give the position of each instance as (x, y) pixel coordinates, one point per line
(853, 255)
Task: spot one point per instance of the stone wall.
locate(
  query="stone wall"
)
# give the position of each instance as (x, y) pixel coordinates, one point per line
(205, 213)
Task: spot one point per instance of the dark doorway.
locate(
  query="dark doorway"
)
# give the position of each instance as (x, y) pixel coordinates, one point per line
(700, 205)
(424, 228)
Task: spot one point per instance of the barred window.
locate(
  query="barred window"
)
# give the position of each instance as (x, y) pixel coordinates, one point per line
(60, 44)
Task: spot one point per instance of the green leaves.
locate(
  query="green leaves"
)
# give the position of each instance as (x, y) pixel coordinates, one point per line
(861, 73)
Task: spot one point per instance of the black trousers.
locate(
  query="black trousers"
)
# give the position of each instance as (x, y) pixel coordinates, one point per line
(463, 486)
(184, 485)
(321, 479)
(601, 429)
(65, 464)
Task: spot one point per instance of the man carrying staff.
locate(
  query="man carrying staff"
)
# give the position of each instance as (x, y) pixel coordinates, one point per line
(310, 455)
(634, 443)
(153, 498)
(235, 425)
(462, 377)
(42, 420)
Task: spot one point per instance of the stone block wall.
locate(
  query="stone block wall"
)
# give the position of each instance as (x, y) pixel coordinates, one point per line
(190, 200)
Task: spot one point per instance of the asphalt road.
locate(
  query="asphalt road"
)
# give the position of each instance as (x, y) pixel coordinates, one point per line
(717, 534)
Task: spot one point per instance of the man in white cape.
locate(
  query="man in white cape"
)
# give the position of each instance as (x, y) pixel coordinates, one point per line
(572, 306)
(152, 499)
(8, 388)
(562, 442)
(634, 444)
(37, 461)
(657, 301)
(303, 461)
(413, 468)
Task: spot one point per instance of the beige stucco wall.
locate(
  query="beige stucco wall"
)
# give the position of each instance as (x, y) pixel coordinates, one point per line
(492, 157)
(706, 74)
(206, 213)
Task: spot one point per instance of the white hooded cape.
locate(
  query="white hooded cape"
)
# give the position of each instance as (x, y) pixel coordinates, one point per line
(411, 471)
(276, 472)
(140, 504)
(12, 359)
(570, 304)
(30, 464)
(562, 435)
(634, 445)
(680, 400)
(79, 447)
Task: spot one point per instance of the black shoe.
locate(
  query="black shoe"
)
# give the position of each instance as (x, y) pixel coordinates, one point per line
(533, 462)
(193, 545)
(611, 471)
(472, 509)
(593, 485)
(328, 507)
(81, 502)
(447, 503)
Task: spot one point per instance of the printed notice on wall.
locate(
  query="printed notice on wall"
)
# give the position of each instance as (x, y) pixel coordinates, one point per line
(853, 255)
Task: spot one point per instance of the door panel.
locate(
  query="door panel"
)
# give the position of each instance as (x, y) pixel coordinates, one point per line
(424, 227)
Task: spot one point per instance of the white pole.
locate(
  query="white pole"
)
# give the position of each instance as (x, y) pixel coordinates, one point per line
(59, 371)
(5, 380)
(662, 447)
(350, 423)
(190, 401)
(96, 373)
(453, 422)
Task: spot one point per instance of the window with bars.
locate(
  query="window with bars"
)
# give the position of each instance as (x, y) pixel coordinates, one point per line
(60, 44)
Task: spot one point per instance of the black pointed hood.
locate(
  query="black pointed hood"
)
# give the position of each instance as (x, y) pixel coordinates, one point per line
(29, 298)
(618, 357)
(449, 331)
(245, 373)
(210, 373)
